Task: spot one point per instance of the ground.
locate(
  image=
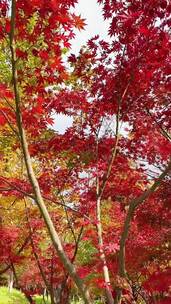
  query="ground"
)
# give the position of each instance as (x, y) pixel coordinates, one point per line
(15, 297)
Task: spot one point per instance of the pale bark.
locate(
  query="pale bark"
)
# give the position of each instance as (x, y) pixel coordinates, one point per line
(99, 192)
(31, 175)
(10, 281)
(109, 296)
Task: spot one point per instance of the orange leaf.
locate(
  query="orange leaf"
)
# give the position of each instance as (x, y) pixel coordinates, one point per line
(79, 22)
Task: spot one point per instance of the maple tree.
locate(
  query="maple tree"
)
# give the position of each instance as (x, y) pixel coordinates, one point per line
(103, 187)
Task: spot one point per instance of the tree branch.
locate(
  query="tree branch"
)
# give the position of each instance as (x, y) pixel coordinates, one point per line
(9, 123)
(34, 250)
(99, 192)
(25, 243)
(132, 207)
(50, 199)
(163, 131)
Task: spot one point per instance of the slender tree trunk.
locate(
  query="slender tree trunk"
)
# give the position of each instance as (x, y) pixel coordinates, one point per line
(99, 193)
(109, 296)
(33, 180)
(10, 281)
(29, 298)
(46, 296)
(65, 286)
(49, 286)
(132, 207)
(52, 291)
(52, 296)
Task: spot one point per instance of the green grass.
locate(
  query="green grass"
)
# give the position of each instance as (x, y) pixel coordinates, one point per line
(39, 300)
(14, 297)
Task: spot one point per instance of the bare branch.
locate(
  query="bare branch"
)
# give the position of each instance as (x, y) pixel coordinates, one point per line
(9, 123)
(162, 130)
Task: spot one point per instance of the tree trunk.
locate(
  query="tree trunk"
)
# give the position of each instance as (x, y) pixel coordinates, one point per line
(10, 281)
(132, 207)
(109, 296)
(31, 175)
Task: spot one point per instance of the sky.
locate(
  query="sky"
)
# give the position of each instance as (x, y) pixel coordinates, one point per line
(92, 12)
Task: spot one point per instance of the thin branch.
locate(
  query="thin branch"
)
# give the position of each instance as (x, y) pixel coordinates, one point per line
(114, 149)
(163, 131)
(34, 250)
(68, 207)
(9, 123)
(20, 250)
(99, 192)
(11, 205)
(73, 258)
(14, 187)
(68, 220)
(9, 104)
